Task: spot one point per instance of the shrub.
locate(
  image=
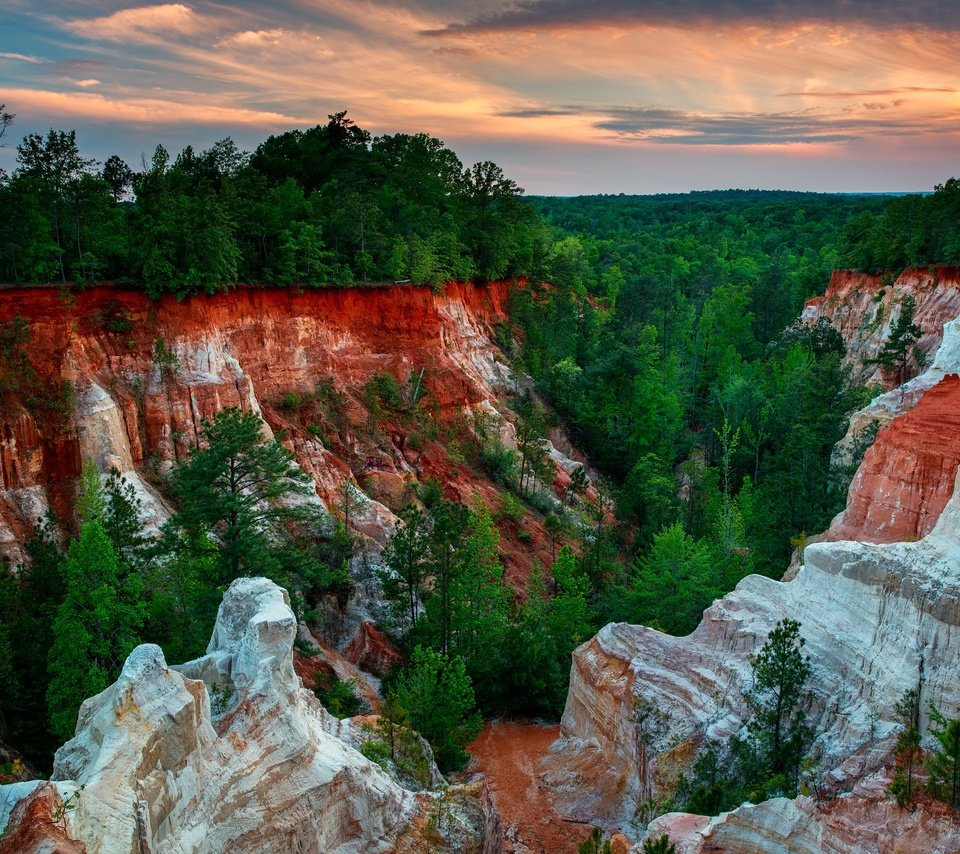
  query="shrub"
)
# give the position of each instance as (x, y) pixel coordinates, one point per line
(291, 401)
(339, 697)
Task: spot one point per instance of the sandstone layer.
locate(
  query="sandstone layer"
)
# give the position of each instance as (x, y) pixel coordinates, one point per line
(866, 819)
(127, 381)
(877, 619)
(862, 308)
(227, 753)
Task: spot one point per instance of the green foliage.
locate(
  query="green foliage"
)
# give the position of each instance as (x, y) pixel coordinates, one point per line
(396, 747)
(438, 695)
(895, 354)
(405, 561)
(338, 696)
(907, 753)
(234, 485)
(594, 843)
(660, 845)
(909, 231)
(542, 636)
(326, 205)
(943, 763)
(779, 736)
(29, 602)
(96, 627)
(674, 582)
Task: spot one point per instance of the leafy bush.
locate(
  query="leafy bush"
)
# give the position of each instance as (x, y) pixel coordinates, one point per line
(291, 401)
(339, 697)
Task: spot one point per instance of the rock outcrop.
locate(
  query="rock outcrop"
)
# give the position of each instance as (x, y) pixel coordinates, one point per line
(862, 307)
(866, 819)
(127, 381)
(877, 619)
(257, 771)
(224, 753)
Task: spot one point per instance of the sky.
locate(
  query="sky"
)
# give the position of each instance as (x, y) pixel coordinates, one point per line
(568, 96)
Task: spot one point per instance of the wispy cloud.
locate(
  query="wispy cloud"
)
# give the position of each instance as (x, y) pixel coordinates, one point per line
(22, 57)
(680, 127)
(550, 14)
(143, 23)
(611, 79)
(146, 111)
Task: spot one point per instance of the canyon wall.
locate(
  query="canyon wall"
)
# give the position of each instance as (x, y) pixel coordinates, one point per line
(862, 307)
(879, 607)
(228, 753)
(128, 382)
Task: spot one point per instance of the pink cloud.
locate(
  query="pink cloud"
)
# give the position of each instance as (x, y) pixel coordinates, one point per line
(153, 112)
(144, 23)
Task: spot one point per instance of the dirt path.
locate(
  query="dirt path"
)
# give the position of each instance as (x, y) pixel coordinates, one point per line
(507, 754)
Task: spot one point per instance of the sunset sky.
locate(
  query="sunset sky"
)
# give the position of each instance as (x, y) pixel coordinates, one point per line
(569, 96)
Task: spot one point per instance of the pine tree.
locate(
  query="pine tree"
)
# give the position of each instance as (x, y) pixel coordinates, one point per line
(943, 764)
(436, 691)
(594, 843)
(904, 333)
(660, 845)
(238, 484)
(907, 751)
(96, 627)
(481, 605)
(405, 557)
(779, 732)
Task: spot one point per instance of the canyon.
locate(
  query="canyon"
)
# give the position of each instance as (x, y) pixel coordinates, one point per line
(166, 769)
(155, 766)
(878, 599)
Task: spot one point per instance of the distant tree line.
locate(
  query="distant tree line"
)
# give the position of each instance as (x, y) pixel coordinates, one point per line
(910, 231)
(309, 207)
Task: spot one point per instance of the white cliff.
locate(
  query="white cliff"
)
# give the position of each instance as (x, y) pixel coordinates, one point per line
(877, 620)
(227, 753)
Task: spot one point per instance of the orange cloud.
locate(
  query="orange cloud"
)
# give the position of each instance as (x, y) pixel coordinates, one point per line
(153, 112)
(144, 23)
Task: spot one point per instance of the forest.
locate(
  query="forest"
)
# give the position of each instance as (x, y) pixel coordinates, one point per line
(659, 331)
(328, 205)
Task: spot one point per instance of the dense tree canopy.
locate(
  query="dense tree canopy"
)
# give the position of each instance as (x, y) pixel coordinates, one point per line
(308, 207)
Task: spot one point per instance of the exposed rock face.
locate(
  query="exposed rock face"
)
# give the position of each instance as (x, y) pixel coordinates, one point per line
(259, 769)
(866, 819)
(905, 479)
(876, 618)
(139, 409)
(162, 772)
(862, 308)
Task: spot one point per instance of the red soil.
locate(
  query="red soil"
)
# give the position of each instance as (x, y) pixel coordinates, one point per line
(907, 476)
(508, 753)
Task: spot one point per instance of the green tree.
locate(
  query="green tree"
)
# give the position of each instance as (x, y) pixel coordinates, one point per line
(96, 626)
(54, 166)
(118, 176)
(241, 486)
(907, 752)
(780, 734)
(405, 558)
(943, 763)
(660, 845)
(437, 692)
(594, 843)
(895, 354)
(444, 565)
(479, 607)
(674, 582)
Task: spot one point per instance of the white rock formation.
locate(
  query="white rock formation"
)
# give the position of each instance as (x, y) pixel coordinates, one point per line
(887, 406)
(876, 618)
(262, 773)
(866, 819)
